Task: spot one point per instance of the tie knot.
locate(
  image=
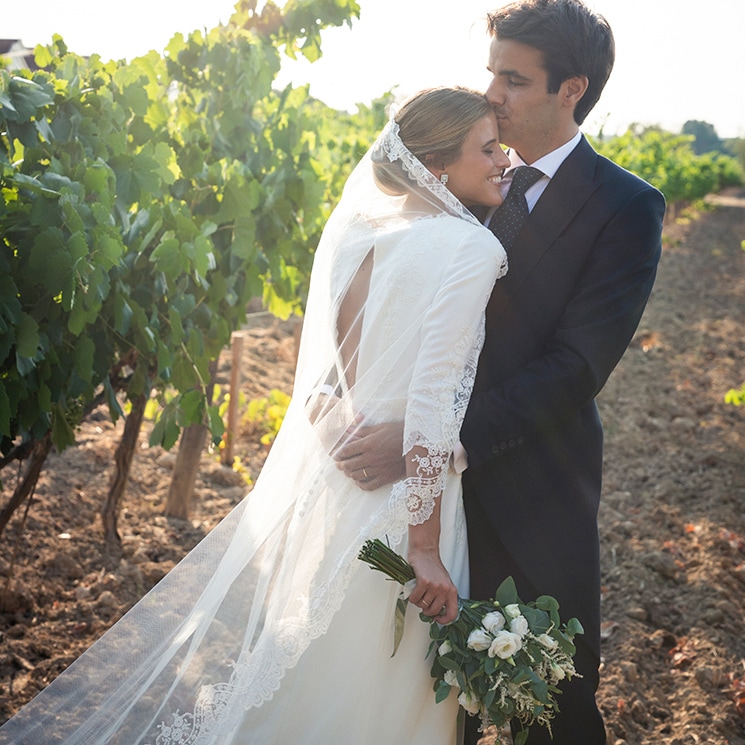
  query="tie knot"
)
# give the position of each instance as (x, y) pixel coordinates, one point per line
(523, 178)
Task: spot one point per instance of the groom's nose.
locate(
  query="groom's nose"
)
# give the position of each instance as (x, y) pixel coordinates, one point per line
(495, 93)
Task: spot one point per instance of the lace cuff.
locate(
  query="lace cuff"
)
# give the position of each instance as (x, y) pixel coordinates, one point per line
(421, 491)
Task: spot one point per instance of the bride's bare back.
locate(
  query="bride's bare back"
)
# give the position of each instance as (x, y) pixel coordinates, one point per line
(350, 318)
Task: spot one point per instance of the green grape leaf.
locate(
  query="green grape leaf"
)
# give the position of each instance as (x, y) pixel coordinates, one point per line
(5, 412)
(85, 350)
(27, 337)
(63, 434)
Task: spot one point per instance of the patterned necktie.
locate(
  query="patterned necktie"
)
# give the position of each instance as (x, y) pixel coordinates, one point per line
(509, 218)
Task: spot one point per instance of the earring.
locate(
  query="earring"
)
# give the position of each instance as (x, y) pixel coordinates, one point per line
(444, 179)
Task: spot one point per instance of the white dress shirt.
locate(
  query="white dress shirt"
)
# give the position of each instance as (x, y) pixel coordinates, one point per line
(548, 165)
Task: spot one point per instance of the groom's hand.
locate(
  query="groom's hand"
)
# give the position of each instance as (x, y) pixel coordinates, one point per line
(372, 456)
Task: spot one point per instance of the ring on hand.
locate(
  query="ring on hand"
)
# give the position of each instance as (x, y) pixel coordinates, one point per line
(365, 474)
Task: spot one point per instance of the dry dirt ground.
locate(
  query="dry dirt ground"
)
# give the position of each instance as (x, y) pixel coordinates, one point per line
(672, 519)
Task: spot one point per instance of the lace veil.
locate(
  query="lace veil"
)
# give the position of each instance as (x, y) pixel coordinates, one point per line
(217, 634)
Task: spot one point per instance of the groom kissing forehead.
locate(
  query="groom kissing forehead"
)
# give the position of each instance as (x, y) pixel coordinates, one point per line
(583, 238)
(549, 60)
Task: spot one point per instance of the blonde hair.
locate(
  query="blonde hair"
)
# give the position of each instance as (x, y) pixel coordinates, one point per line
(433, 124)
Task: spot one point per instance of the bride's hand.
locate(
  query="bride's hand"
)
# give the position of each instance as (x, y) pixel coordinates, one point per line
(434, 592)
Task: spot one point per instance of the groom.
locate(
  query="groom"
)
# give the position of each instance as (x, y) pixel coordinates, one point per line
(581, 270)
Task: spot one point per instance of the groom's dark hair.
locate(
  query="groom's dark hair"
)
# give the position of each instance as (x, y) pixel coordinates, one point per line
(573, 40)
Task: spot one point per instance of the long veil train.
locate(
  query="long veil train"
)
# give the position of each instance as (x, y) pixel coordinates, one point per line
(216, 636)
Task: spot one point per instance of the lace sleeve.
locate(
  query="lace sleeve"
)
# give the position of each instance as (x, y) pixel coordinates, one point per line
(421, 490)
(451, 340)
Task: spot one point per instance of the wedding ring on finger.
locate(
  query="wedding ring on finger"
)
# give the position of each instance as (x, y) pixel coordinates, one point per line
(365, 473)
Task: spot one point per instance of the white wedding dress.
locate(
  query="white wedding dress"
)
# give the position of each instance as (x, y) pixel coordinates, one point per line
(347, 687)
(272, 631)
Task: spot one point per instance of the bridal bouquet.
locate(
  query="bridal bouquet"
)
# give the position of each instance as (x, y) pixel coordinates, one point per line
(502, 657)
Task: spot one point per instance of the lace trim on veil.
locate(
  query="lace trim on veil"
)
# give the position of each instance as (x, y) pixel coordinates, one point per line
(207, 656)
(256, 677)
(392, 145)
(257, 674)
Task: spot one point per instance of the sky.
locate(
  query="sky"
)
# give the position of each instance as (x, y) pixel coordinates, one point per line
(673, 63)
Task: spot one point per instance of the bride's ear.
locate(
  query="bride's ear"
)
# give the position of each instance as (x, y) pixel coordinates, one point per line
(435, 165)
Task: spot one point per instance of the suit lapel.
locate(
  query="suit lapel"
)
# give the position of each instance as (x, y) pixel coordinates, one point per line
(564, 196)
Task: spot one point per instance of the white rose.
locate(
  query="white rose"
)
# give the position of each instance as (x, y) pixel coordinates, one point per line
(548, 641)
(512, 610)
(479, 640)
(451, 678)
(444, 648)
(468, 703)
(505, 644)
(519, 625)
(493, 621)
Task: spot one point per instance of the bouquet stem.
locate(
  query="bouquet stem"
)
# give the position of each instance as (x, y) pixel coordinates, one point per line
(383, 558)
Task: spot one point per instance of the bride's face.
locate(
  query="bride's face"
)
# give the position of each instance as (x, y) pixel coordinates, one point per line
(475, 177)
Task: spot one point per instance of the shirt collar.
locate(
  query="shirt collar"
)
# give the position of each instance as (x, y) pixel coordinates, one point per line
(548, 163)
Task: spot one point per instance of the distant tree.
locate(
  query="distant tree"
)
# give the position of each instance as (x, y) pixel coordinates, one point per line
(706, 137)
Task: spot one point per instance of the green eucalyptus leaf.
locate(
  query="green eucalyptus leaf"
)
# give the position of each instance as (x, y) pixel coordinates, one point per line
(442, 692)
(574, 627)
(538, 620)
(507, 593)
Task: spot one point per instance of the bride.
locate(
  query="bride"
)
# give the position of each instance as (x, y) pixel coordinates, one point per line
(271, 630)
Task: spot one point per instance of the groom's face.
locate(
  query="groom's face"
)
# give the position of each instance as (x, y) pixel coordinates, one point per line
(531, 120)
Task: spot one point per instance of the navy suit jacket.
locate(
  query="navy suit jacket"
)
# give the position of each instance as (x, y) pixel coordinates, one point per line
(580, 274)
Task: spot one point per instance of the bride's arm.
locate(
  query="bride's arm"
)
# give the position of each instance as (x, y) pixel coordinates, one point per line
(434, 592)
(372, 456)
(445, 367)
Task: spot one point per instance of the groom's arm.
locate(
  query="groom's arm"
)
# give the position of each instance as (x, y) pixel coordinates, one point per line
(385, 441)
(592, 335)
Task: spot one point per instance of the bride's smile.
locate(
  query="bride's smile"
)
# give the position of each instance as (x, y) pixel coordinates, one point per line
(475, 176)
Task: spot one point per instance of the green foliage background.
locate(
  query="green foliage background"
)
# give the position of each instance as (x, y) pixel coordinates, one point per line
(669, 162)
(145, 202)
